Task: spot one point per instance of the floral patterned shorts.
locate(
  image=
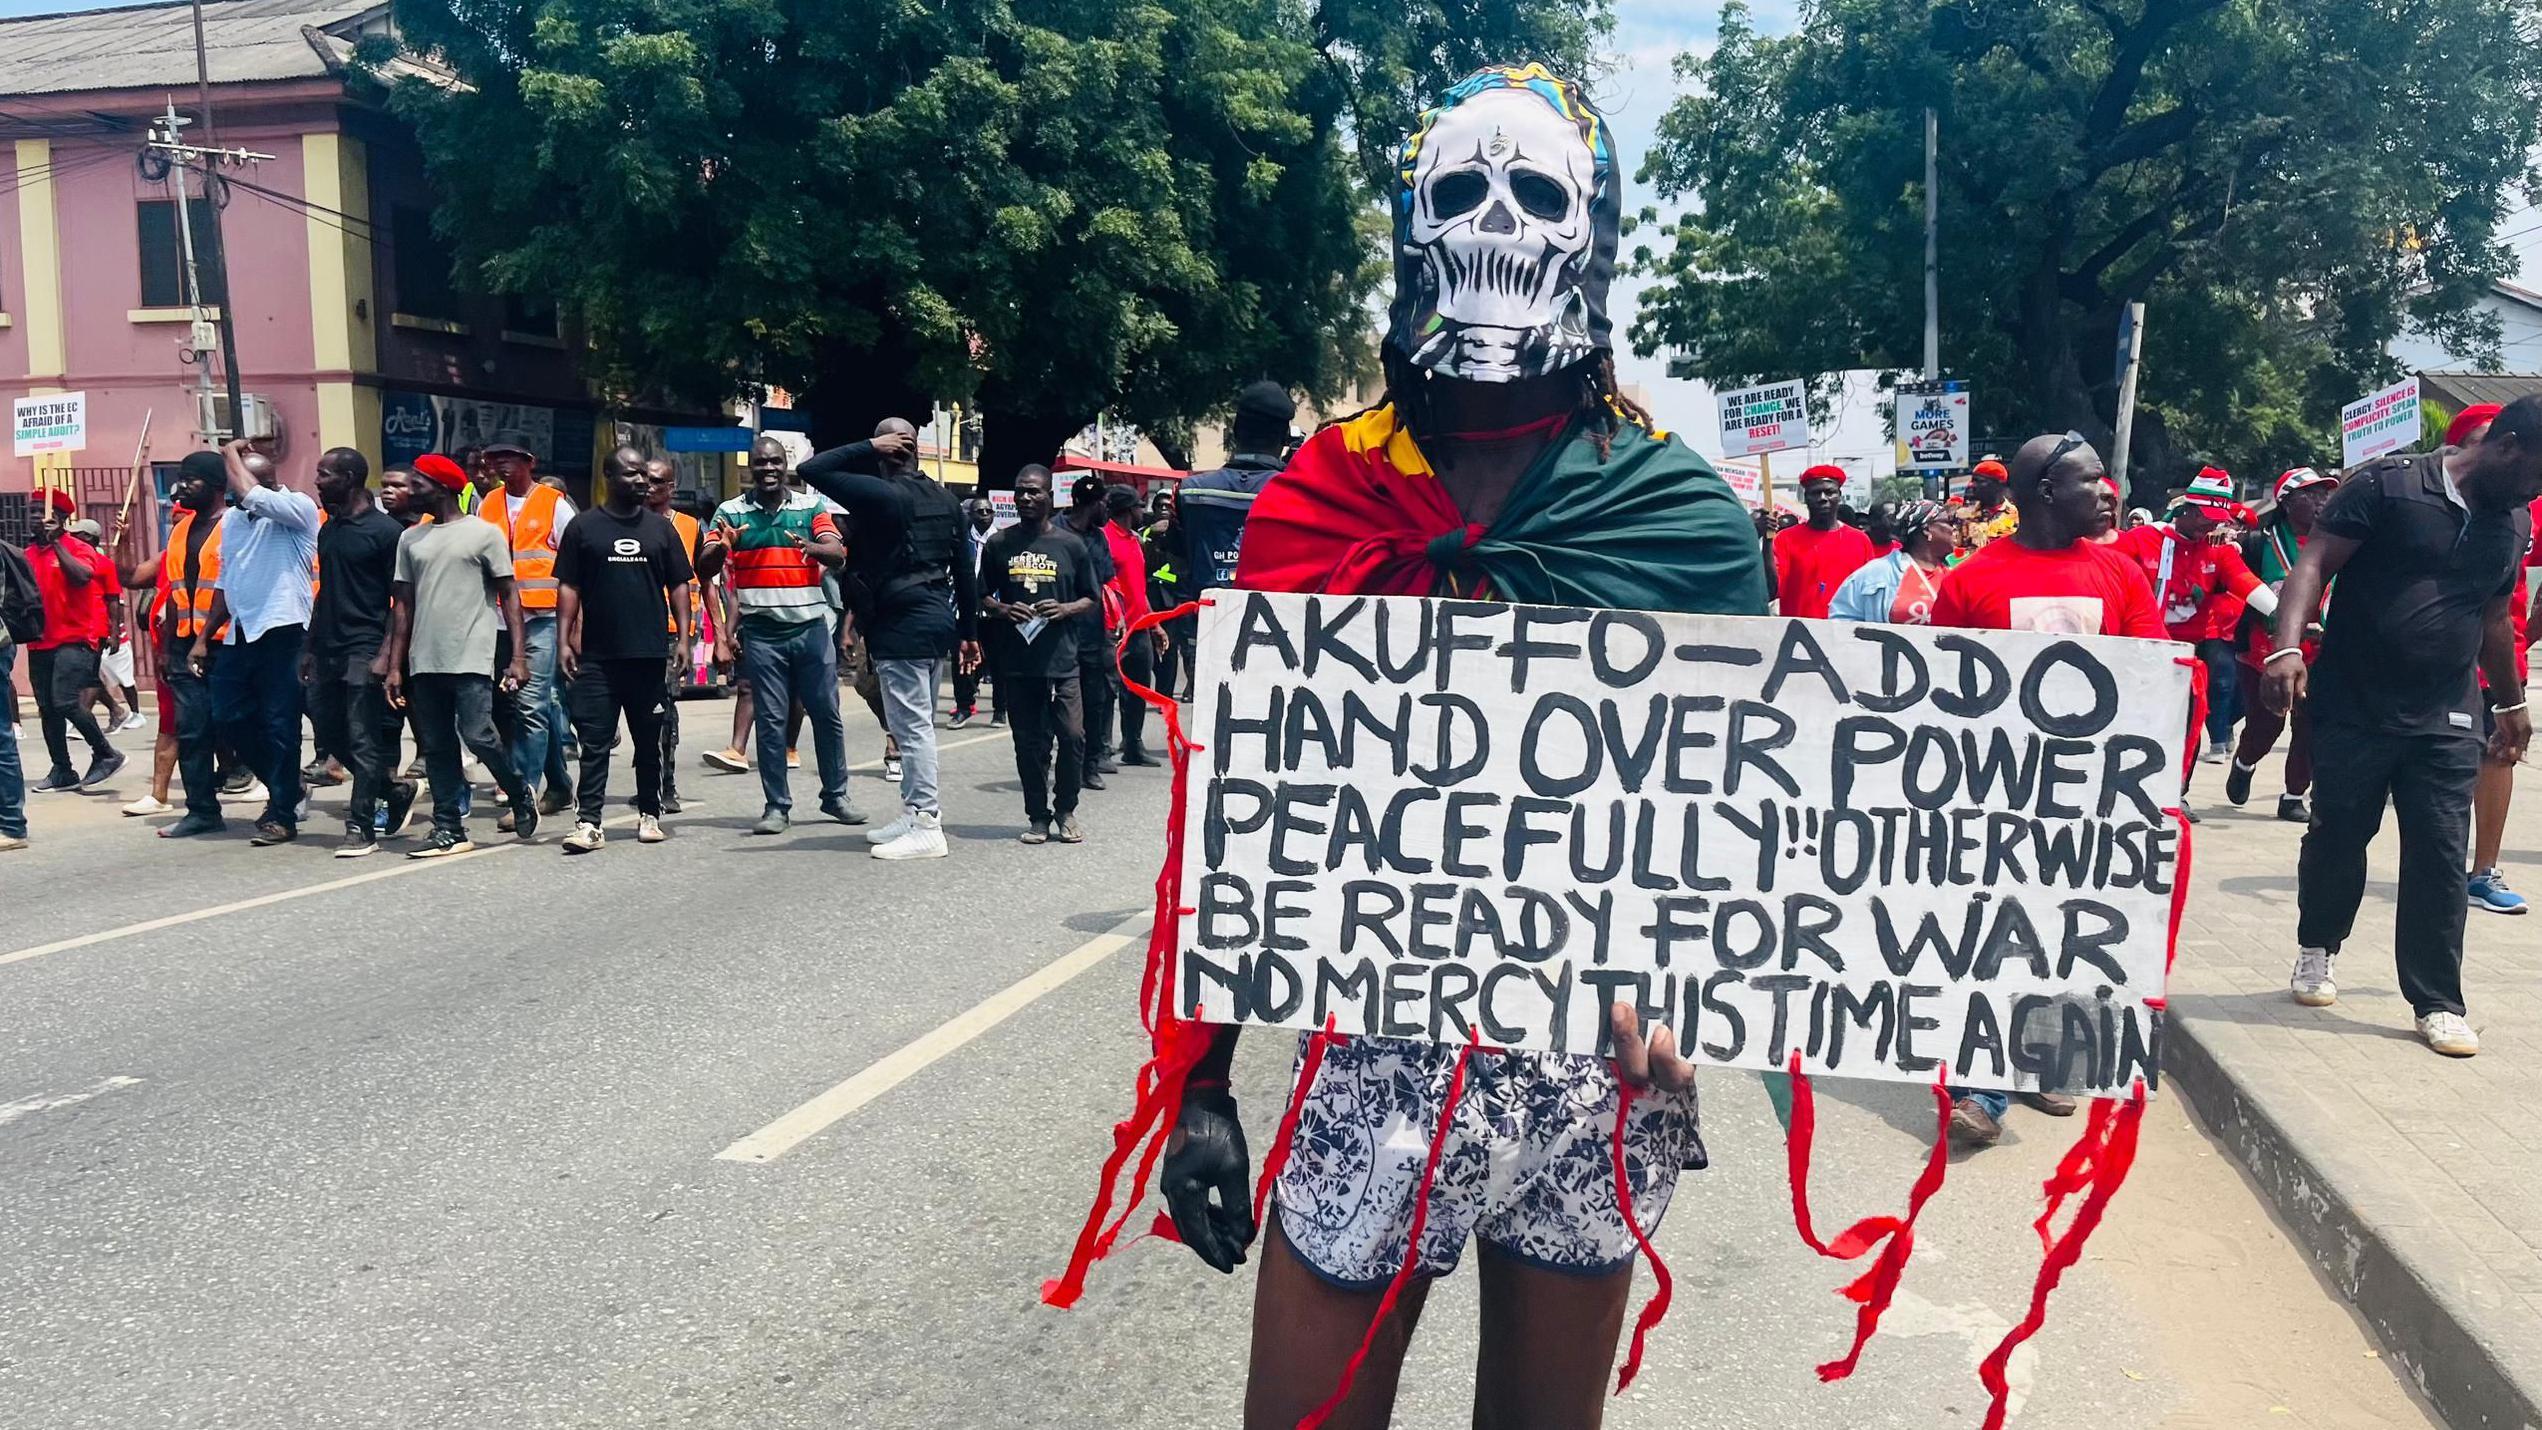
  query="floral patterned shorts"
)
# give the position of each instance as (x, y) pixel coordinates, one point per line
(1528, 1168)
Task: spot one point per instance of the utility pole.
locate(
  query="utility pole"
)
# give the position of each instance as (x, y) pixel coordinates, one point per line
(1932, 257)
(2131, 350)
(167, 137)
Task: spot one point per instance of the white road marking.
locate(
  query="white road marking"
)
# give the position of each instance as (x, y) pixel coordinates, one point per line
(401, 867)
(787, 1132)
(30, 1106)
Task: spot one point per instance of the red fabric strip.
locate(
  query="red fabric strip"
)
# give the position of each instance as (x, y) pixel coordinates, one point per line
(2108, 1170)
(2074, 1169)
(1877, 1288)
(2179, 889)
(1657, 1307)
(2197, 708)
(1177, 1043)
(1412, 1251)
(1278, 1157)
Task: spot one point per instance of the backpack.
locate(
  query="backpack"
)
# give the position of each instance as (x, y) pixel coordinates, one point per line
(934, 527)
(21, 600)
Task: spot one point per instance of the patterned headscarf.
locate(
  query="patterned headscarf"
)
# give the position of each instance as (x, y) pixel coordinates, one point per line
(1508, 204)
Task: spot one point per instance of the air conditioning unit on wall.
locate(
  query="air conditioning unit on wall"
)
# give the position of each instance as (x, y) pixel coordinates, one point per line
(212, 417)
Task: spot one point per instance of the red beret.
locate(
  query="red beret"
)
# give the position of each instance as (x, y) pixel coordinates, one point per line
(59, 500)
(441, 469)
(1824, 472)
(2479, 414)
(1990, 467)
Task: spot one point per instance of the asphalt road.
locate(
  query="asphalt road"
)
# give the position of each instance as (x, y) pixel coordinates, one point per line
(438, 1146)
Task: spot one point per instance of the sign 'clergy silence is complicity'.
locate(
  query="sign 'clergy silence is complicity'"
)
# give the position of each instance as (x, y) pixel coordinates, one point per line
(1892, 849)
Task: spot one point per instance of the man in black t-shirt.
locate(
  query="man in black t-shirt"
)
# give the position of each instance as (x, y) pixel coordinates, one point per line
(2426, 550)
(1098, 669)
(345, 662)
(1036, 581)
(622, 574)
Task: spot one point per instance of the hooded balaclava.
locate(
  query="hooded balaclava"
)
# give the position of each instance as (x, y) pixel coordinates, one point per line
(1508, 205)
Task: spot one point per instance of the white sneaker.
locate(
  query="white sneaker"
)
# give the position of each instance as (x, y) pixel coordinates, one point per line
(2311, 983)
(585, 838)
(2449, 1033)
(147, 804)
(649, 829)
(889, 832)
(253, 794)
(924, 840)
(131, 721)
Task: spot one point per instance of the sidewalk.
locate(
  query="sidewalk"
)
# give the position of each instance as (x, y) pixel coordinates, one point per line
(2414, 1180)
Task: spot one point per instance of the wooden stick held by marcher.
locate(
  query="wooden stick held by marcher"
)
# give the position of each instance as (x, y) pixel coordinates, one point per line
(132, 484)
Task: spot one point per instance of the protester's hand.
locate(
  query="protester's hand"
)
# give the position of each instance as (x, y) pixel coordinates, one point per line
(2514, 732)
(1047, 610)
(1156, 638)
(518, 676)
(723, 649)
(968, 658)
(894, 444)
(1206, 1154)
(238, 447)
(569, 659)
(1654, 1064)
(199, 657)
(379, 664)
(308, 666)
(1018, 612)
(396, 688)
(2282, 685)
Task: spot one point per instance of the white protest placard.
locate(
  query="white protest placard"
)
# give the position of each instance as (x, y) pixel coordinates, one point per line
(1933, 428)
(1002, 509)
(54, 422)
(2379, 422)
(1772, 418)
(1890, 848)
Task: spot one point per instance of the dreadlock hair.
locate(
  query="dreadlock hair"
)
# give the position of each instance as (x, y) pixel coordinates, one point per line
(1602, 399)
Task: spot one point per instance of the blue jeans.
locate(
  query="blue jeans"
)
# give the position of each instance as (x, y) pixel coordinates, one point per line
(802, 666)
(909, 705)
(256, 704)
(1996, 1103)
(12, 774)
(538, 731)
(198, 762)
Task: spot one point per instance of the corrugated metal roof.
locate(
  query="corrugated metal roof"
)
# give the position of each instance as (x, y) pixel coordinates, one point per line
(2459, 390)
(148, 45)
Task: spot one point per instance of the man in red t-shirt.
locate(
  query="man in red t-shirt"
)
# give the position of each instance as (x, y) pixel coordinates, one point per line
(2046, 574)
(1811, 560)
(2203, 586)
(2493, 791)
(74, 578)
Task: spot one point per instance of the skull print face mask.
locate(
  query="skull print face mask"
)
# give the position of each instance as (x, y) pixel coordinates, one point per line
(1507, 210)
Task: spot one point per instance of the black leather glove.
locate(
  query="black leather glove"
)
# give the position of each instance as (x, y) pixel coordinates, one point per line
(1208, 1154)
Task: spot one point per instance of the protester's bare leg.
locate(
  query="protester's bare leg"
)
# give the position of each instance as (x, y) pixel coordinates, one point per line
(743, 712)
(2490, 795)
(1548, 1343)
(163, 765)
(1305, 1330)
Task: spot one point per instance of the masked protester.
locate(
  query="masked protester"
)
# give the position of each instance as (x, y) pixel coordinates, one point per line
(1502, 462)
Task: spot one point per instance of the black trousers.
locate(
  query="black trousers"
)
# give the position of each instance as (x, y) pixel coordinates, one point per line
(1045, 711)
(670, 741)
(348, 711)
(455, 710)
(199, 755)
(1174, 667)
(603, 692)
(1138, 662)
(1100, 682)
(57, 677)
(2427, 780)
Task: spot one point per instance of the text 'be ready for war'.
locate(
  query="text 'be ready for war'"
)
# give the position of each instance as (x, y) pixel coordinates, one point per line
(1891, 849)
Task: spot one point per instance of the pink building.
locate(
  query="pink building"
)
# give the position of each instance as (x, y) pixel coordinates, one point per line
(348, 323)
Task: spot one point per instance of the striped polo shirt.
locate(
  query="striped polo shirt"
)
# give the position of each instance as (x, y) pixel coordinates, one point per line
(776, 584)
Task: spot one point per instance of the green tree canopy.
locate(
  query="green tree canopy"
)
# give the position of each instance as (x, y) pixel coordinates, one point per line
(2284, 184)
(1047, 209)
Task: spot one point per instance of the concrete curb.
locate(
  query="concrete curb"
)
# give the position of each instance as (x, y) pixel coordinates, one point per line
(2423, 1312)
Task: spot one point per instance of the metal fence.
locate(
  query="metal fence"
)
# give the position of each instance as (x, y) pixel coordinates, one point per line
(99, 493)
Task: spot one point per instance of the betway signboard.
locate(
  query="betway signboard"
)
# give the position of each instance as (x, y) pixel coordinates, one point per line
(2379, 422)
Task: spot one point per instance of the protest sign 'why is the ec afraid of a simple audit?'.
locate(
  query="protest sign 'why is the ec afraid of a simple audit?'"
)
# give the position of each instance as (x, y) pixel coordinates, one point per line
(1895, 850)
